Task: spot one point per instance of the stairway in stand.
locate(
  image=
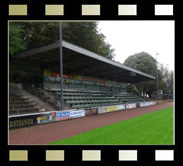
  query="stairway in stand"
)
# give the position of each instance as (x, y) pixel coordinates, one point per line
(22, 102)
(48, 97)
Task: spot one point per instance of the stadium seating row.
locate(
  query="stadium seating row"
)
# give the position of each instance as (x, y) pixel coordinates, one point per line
(74, 98)
(87, 98)
(128, 97)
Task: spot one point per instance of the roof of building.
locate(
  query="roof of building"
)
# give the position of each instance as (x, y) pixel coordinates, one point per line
(79, 61)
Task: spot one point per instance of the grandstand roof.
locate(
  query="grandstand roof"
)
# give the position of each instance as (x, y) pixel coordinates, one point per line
(79, 61)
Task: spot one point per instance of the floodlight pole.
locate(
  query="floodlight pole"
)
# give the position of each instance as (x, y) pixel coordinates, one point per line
(61, 68)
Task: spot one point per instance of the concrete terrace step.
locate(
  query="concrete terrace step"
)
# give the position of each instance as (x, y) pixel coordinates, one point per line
(21, 99)
(26, 103)
(23, 110)
(46, 97)
(22, 102)
(13, 107)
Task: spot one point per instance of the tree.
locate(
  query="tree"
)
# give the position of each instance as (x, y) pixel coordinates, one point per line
(163, 75)
(170, 81)
(143, 62)
(167, 80)
(146, 63)
(15, 44)
(83, 34)
(15, 40)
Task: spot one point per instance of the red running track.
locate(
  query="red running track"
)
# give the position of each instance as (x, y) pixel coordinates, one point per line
(46, 133)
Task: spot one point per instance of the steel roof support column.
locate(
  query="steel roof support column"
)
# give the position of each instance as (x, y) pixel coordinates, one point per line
(61, 68)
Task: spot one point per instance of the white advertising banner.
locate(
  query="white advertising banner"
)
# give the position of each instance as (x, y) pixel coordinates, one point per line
(133, 105)
(100, 110)
(121, 107)
(77, 113)
(144, 104)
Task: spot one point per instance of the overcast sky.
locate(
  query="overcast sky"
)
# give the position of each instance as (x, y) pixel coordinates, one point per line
(130, 37)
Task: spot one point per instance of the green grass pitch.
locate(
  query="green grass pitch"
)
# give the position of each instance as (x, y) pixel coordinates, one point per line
(155, 128)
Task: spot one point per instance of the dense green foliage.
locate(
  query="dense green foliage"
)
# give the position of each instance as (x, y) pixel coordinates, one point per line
(166, 82)
(146, 63)
(155, 128)
(86, 35)
(83, 34)
(15, 44)
(15, 39)
(143, 62)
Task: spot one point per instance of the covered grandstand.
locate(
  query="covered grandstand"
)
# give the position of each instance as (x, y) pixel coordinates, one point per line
(90, 80)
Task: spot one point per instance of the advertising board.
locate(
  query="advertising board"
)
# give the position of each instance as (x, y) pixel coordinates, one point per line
(52, 76)
(144, 104)
(17, 121)
(22, 121)
(102, 110)
(62, 115)
(46, 118)
(110, 108)
(121, 107)
(129, 106)
(77, 113)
